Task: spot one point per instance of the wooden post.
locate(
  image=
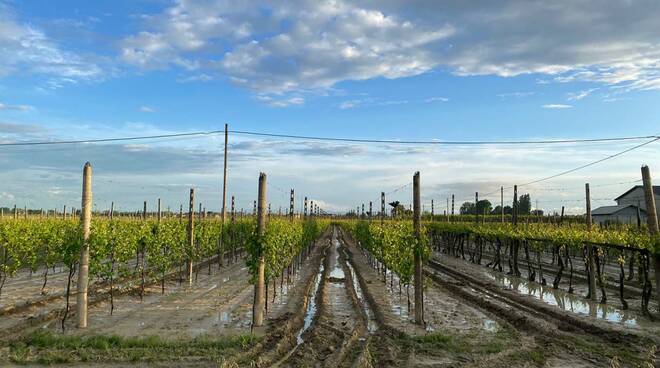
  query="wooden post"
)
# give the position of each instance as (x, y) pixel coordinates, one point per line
(259, 289)
(418, 281)
(371, 209)
(83, 265)
(452, 205)
(112, 210)
(382, 208)
(561, 219)
(432, 210)
(590, 249)
(514, 215)
(291, 204)
(652, 222)
(233, 209)
(502, 202)
(144, 210)
(159, 213)
(476, 210)
(191, 233)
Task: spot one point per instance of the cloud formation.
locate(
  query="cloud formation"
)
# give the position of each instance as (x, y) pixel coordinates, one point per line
(28, 50)
(275, 47)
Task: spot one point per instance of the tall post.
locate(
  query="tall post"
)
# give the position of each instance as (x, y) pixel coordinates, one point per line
(652, 222)
(371, 209)
(432, 210)
(417, 224)
(191, 234)
(144, 211)
(291, 203)
(233, 209)
(259, 289)
(83, 265)
(476, 205)
(502, 202)
(382, 208)
(590, 249)
(514, 215)
(159, 213)
(112, 210)
(224, 184)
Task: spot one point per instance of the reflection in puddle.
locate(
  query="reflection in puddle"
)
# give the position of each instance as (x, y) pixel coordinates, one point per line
(371, 320)
(564, 300)
(490, 325)
(311, 305)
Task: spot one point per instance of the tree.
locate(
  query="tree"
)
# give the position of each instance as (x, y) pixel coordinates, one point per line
(467, 208)
(524, 204)
(484, 206)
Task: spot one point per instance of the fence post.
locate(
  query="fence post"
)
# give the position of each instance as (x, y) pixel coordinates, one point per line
(83, 265)
(590, 249)
(259, 289)
(112, 210)
(191, 234)
(291, 204)
(417, 224)
(652, 221)
(502, 202)
(159, 213)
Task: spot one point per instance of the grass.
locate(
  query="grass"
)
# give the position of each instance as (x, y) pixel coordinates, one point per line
(49, 348)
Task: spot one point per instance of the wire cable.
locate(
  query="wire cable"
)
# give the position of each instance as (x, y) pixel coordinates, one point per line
(317, 138)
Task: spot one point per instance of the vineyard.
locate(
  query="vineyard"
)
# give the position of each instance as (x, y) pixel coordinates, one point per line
(296, 289)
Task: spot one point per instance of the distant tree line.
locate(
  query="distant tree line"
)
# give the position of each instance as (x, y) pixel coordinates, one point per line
(484, 206)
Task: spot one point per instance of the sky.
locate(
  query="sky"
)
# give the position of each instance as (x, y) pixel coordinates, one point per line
(391, 70)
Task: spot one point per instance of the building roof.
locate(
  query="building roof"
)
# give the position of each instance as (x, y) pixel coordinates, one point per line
(656, 191)
(611, 210)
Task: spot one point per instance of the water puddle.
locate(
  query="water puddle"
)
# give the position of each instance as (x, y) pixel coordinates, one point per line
(562, 299)
(311, 305)
(490, 325)
(371, 320)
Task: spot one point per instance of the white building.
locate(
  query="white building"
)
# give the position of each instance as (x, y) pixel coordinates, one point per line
(626, 209)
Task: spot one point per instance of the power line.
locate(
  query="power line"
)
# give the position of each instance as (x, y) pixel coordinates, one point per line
(318, 138)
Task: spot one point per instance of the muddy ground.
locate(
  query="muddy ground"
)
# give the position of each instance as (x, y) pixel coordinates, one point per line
(337, 310)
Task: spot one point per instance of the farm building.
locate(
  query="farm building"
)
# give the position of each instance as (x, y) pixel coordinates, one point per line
(626, 207)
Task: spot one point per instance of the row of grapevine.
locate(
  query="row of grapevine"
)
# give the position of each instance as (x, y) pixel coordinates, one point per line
(156, 246)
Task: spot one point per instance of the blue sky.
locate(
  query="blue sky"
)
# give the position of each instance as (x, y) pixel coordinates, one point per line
(421, 70)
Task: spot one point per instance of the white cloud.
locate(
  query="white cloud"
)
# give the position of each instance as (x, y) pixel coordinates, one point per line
(515, 94)
(576, 96)
(556, 106)
(276, 101)
(15, 107)
(27, 50)
(437, 99)
(147, 109)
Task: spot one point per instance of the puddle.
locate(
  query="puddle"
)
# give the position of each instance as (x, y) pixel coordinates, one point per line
(371, 320)
(311, 305)
(562, 299)
(490, 325)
